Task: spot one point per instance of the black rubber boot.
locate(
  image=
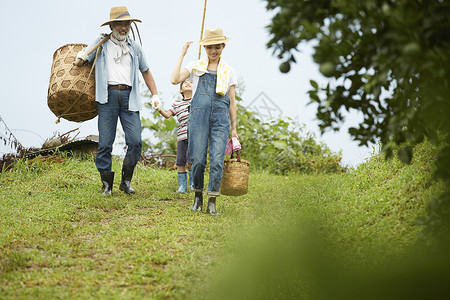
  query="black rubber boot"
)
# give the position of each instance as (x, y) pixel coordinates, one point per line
(211, 209)
(127, 175)
(107, 178)
(198, 202)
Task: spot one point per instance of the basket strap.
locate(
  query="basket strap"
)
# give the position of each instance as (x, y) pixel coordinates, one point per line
(238, 157)
(66, 113)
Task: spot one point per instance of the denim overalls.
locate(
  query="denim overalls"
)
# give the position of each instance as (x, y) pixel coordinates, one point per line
(209, 121)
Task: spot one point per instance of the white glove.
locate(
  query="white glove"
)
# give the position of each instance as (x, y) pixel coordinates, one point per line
(82, 55)
(159, 107)
(156, 103)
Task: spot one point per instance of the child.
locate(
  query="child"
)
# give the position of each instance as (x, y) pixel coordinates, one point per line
(213, 108)
(180, 109)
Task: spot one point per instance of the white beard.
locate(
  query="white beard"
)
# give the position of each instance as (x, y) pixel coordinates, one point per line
(120, 37)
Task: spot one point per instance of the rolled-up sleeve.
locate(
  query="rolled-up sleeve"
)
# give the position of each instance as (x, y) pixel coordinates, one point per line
(143, 64)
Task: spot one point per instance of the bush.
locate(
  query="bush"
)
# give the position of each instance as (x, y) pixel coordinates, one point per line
(282, 146)
(279, 146)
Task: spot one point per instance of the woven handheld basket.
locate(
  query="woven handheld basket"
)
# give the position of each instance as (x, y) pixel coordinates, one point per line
(235, 176)
(71, 91)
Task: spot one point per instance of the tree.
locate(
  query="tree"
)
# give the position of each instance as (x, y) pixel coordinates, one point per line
(388, 59)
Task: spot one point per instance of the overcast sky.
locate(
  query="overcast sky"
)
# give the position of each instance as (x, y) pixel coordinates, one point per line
(38, 28)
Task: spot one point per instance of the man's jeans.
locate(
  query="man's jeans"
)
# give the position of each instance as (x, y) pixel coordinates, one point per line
(108, 114)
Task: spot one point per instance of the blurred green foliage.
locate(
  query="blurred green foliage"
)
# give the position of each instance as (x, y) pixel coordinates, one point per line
(338, 236)
(388, 60)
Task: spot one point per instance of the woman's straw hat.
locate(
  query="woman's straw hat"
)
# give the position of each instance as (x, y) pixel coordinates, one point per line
(213, 37)
(120, 13)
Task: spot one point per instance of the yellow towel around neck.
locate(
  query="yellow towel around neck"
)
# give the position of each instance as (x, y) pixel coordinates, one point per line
(223, 71)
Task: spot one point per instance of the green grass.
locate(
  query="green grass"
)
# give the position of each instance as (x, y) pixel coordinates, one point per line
(290, 237)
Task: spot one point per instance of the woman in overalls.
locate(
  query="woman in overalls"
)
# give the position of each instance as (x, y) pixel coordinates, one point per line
(212, 114)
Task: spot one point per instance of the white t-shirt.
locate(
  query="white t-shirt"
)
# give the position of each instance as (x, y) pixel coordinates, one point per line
(232, 78)
(118, 73)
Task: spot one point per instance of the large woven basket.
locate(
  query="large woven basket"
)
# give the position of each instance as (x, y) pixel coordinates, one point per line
(71, 91)
(235, 176)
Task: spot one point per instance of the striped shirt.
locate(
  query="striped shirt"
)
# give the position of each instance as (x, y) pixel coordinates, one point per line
(180, 109)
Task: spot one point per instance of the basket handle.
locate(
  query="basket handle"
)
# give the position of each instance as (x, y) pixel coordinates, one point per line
(238, 157)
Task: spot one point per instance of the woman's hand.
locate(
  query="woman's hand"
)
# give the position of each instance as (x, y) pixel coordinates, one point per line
(185, 48)
(179, 75)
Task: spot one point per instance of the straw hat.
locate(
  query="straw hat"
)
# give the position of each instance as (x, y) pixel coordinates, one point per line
(213, 37)
(120, 13)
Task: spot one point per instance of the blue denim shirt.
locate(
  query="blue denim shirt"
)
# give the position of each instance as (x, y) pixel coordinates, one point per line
(138, 61)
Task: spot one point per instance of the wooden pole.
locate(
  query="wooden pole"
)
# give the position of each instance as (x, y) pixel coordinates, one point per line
(98, 44)
(93, 48)
(201, 32)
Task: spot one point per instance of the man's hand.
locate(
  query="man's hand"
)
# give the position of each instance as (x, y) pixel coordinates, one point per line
(156, 103)
(81, 58)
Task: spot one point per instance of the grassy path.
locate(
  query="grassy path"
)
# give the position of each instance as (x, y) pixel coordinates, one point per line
(59, 238)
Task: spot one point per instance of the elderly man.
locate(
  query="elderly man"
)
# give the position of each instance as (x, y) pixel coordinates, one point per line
(117, 63)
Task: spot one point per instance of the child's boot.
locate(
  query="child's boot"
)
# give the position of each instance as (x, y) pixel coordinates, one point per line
(182, 182)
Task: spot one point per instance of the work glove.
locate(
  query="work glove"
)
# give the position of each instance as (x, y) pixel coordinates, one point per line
(82, 55)
(156, 103)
